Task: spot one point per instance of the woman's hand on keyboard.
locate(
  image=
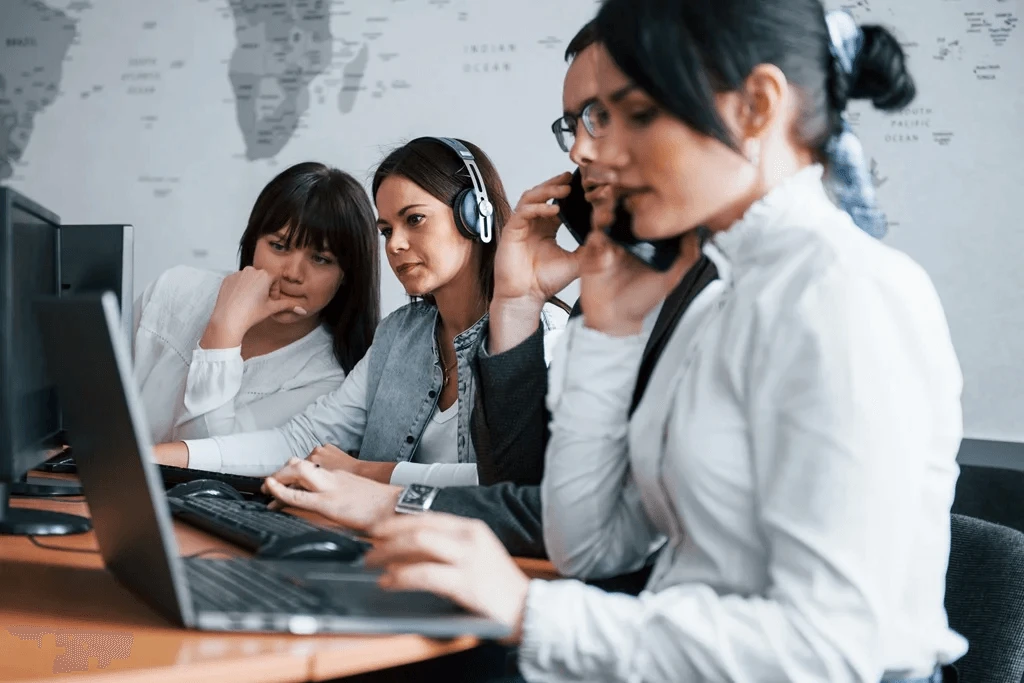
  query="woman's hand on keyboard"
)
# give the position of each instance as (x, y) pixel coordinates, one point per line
(333, 458)
(458, 558)
(341, 496)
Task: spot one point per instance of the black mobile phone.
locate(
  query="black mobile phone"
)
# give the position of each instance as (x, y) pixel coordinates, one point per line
(574, 210)
(575, 213)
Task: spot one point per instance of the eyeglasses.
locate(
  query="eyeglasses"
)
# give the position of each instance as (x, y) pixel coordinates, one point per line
(595, 120)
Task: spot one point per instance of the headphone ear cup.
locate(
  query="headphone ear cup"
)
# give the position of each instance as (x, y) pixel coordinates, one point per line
(467, 218)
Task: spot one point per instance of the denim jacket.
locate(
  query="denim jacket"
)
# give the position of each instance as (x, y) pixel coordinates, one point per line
(404, 380)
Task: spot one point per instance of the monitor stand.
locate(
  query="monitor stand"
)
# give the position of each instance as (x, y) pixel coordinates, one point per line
(28, 522)
(44, 487)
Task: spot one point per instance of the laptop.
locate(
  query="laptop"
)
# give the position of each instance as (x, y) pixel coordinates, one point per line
(89, 358)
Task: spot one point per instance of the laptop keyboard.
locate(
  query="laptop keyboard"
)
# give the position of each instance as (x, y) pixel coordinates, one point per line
(244, 585)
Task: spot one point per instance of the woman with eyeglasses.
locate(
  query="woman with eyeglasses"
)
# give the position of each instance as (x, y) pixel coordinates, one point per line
(794, 456)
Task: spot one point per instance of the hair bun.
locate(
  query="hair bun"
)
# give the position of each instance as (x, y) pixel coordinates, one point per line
(880, 72)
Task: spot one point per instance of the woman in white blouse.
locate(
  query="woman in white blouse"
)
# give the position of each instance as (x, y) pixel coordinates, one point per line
(793, 458)
(216, 354)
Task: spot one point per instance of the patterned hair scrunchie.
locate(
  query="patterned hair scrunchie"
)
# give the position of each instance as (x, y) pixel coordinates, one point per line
(849, 176)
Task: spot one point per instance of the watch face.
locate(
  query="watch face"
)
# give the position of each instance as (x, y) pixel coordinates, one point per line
(416, 494)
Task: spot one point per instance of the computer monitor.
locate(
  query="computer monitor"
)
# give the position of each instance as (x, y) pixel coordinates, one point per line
(30, 422)
(98, 258)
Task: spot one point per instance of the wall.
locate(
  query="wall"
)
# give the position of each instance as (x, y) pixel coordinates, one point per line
(173, 115)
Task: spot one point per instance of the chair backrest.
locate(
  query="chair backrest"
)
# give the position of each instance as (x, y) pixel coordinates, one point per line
(993, 494)
(985, 599)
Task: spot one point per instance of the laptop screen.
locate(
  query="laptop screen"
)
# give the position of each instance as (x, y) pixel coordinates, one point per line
(89, 359)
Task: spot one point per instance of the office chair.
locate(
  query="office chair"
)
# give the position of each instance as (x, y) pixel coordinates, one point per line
(993, 494)
(985, 599)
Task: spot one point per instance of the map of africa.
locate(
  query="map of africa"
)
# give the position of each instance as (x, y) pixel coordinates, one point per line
(281, 47)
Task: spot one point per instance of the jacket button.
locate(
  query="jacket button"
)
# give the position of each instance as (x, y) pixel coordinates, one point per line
(431, 393)
(410, 439)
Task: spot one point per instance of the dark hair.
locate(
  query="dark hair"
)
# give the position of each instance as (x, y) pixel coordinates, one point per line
(437, 169)
(682, 52)
(325, 208)
(583, 39)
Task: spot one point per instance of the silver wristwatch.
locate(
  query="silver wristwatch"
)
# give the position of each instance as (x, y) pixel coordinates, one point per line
(416, 498)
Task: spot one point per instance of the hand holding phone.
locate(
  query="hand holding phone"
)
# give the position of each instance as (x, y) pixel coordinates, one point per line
(618, 289)
(529, 264)
(576, 215)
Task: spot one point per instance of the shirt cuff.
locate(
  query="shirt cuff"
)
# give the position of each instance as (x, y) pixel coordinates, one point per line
(540, 632)
(434, 474)
(501, 369)
(201, 355)
(204, 454)
(482, 351)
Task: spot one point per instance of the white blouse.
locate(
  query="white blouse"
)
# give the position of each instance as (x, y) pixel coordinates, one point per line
(191, 392)
(794, 454)
(436, 459)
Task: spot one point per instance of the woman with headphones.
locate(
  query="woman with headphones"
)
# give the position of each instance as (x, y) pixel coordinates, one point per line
(406, 406)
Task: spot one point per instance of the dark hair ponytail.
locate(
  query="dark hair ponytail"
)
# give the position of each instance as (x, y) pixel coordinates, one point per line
(683, 52)
(880, 73)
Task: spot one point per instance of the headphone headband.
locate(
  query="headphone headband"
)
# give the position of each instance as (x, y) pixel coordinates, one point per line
(483, 204)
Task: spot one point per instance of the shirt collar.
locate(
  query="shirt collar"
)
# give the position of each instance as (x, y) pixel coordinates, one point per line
(739, 243)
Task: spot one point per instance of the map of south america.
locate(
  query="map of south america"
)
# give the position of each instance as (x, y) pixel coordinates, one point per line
(34, 40)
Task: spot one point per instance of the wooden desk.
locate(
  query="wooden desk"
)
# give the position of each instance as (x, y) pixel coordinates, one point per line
(64, 617)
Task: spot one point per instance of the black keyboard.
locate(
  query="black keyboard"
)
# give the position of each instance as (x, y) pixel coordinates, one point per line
(251, 525)
(173, 476)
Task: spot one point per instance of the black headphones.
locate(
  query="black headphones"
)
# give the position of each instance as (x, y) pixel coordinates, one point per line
(474, 213)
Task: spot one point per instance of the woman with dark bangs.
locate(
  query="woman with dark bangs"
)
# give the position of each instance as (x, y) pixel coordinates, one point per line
(403, 415)
(217, 355)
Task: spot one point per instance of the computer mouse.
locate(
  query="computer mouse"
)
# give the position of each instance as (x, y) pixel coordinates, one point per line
(206, 488)
(315, 545)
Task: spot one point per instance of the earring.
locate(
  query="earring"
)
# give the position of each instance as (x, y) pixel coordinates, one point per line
(753, 151)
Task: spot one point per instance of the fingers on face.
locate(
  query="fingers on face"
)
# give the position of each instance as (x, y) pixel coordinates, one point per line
(533, 211)
(281, 304)
(557, 187)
